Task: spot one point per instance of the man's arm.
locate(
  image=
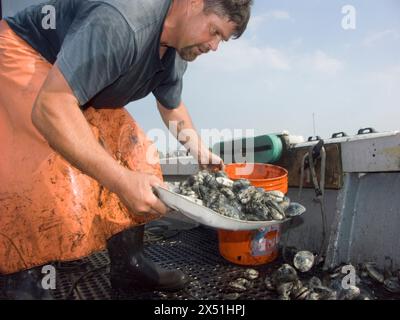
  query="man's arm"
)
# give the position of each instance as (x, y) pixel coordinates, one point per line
(57, 116)
(181, 126)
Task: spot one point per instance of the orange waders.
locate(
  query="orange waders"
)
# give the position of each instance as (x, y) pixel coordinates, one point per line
(49, 210)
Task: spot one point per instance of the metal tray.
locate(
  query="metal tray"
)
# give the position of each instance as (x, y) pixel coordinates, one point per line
(207, 216)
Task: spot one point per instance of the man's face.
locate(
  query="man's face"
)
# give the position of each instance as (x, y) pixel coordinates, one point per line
(203, 32)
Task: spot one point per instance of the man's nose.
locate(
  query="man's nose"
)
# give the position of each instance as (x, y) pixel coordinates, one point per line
(214, 44)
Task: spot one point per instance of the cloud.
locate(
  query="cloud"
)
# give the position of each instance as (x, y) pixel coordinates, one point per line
(258, 20)
(278, 14)
(375, 37)
(241, 55)
(326, 64)
(244, 56)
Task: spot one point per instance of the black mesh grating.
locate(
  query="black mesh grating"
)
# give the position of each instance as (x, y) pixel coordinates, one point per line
(195, 252)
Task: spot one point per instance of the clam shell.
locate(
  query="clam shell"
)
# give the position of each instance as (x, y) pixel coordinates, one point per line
(373, 272)
(350, 294)
(294, 210)
(251, 274)
(392, 285)
(286, 273)
(224, 182)
(303, 261)
(231, 296)
(240, 184)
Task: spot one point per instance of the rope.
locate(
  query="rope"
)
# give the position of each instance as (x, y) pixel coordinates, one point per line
(319, 192)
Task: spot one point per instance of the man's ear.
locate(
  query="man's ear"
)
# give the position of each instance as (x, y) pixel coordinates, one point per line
(196, 6)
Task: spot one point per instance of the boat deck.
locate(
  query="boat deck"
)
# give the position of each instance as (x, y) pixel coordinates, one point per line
(194, 251)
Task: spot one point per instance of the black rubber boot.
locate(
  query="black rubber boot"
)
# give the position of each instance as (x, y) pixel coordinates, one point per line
(26, 285)
(131, 269)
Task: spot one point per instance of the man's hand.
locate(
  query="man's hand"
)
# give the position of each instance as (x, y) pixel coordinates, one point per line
(136, 192)
(210, 161)
(183, 129)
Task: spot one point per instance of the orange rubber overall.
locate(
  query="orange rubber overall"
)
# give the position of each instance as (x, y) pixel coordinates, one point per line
(49, 210)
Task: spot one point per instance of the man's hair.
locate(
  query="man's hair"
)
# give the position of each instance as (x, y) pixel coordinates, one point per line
(237, 11)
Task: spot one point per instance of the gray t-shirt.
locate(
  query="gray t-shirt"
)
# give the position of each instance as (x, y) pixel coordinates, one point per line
(107, 50)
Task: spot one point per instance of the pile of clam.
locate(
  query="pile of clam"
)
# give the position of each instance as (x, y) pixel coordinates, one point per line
(286, 283)
(299, 281)
(336, 284)
(237, 199)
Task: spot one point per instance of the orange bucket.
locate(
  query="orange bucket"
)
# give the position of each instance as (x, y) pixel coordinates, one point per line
(265, 176)
(254, 247)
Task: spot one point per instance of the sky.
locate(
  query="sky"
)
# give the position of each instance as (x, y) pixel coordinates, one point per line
(294, 63)
(296, 60)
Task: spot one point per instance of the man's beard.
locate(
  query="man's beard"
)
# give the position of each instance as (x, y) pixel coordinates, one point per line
(189, 53)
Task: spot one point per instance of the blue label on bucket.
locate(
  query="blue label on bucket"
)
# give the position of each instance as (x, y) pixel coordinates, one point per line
(261, 245)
